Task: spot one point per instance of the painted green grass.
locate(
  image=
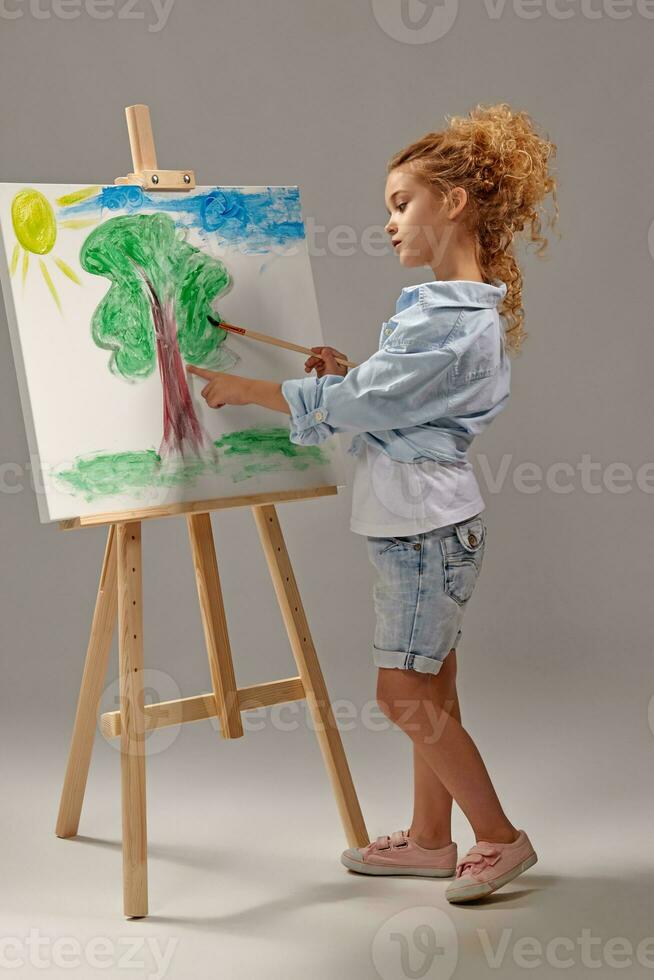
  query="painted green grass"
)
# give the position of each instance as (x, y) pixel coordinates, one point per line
(240, 456)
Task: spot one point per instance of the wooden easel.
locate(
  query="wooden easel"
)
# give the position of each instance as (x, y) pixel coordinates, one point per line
(120, 593)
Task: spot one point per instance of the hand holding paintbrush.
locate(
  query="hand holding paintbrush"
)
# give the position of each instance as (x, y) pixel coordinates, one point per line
(232, 389)
(267, 339)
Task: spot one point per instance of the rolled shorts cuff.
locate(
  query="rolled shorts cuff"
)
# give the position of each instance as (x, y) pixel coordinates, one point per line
(409, 661)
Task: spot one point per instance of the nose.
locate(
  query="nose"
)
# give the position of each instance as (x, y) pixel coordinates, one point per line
(390, 226)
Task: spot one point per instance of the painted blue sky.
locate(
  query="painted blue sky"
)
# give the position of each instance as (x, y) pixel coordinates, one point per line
(252, 220)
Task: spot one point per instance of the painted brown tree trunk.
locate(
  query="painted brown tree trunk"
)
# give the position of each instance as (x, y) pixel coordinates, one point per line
(183, 433)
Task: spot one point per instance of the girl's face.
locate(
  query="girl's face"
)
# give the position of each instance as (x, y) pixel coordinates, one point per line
(418, 222)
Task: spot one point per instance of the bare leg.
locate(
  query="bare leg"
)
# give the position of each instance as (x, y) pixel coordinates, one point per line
(417, 703)
(432, 802)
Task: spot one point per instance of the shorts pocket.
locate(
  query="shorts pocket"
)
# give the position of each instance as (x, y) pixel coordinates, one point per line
(378, 547)
(408, 541)
(463, 553)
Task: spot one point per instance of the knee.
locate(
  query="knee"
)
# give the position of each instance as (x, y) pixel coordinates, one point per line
(408, 693)
(397, 688)
(385, 698)
(388, 705)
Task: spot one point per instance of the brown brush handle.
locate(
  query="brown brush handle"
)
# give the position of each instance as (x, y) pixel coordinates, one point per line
(267, 339)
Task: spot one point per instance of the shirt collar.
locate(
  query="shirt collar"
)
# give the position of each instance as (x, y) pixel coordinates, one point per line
(456, 292)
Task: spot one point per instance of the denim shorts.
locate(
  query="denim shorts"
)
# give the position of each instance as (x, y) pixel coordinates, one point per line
(424, 582)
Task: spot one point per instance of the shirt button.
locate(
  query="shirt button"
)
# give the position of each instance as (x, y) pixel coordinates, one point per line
(472, 539)
(319, 415)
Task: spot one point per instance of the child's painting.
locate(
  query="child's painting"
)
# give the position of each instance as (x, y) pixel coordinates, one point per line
(108, 290)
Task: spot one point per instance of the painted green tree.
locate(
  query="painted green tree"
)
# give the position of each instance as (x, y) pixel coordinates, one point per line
(155, 313)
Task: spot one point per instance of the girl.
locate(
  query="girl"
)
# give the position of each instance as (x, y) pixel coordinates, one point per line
(456, 198)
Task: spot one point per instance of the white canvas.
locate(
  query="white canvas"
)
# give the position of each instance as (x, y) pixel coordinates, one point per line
(91, 394)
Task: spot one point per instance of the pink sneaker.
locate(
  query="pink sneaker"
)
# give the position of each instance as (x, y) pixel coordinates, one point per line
(397, 854)
(487, 866)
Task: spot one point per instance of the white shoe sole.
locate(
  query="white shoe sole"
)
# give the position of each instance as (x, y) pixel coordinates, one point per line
(375, 869)
(467, 893)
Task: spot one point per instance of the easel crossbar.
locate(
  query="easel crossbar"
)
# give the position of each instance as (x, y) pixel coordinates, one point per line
(203, 706)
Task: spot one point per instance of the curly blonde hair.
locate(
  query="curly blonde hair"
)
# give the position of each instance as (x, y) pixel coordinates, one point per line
(496, 154)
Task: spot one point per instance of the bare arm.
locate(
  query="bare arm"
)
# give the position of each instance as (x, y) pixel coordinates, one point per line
(268, 394)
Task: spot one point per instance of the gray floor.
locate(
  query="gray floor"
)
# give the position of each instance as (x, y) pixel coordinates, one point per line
(245, 878)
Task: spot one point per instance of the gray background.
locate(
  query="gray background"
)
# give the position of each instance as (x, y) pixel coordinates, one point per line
(555, 662)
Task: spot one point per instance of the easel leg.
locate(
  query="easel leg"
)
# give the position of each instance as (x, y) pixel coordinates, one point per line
(221, 665)
(132, 716)
(310, 671)
(95, 672)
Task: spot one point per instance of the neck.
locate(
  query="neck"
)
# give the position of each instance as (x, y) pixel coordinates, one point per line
(460, 262)
(471, 273)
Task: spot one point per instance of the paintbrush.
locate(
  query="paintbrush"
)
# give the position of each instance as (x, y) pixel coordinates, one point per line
(267, 339)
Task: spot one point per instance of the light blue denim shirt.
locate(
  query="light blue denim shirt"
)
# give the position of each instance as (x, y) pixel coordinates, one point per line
(440, 375)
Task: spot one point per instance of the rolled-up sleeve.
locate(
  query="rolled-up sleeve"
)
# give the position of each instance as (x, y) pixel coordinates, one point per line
(401, 386)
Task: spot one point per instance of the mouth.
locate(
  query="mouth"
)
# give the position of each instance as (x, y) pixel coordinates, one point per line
(396, 242)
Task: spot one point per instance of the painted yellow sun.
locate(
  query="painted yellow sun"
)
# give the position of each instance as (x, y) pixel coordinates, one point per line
(35, 226)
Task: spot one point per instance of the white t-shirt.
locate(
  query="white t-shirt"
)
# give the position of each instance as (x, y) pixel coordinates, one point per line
(392, 498)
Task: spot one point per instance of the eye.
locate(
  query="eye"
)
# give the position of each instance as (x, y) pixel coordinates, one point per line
(400, 206)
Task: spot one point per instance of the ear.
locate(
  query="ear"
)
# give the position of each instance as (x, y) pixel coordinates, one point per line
(458, 201)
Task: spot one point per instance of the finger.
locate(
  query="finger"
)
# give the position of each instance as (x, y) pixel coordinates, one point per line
(201, 372)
